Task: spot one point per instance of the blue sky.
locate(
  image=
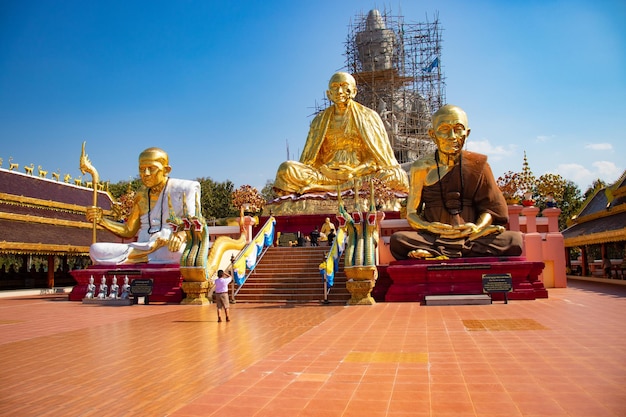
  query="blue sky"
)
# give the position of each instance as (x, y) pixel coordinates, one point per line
(223, 86)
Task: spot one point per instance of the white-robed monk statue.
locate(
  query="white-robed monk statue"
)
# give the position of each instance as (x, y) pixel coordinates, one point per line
(148, 220)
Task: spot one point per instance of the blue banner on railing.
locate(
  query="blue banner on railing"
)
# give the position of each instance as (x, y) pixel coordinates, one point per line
(329, 267)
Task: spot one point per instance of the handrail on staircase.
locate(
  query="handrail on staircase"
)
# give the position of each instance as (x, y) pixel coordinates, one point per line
(251, 255)
(329, 267)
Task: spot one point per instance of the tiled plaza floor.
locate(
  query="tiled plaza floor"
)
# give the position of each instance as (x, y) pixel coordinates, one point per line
(561, 356)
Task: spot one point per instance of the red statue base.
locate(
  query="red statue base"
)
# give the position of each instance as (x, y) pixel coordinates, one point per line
(166, 287)
(412, 280)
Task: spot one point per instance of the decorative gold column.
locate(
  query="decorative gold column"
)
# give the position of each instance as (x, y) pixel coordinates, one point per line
(361, 281)
(196, 292)
(195, 286)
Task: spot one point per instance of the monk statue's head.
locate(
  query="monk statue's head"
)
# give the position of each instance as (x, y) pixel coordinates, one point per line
(447, 110)
(341, 88)
(450, 129)
(155, 154)
(154, 167)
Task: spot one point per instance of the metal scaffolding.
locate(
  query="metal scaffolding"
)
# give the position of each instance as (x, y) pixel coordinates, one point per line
(398, 70)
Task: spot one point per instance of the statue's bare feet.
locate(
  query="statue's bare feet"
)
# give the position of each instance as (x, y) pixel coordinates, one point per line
(420, 254)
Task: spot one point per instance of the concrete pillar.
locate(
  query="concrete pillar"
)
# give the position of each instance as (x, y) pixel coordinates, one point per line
(533, 250)
(248, 222)
(553, 250)
(50, 271)
(514, 213)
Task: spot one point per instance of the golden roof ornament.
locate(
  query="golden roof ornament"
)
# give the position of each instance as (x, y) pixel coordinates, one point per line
(86, 167)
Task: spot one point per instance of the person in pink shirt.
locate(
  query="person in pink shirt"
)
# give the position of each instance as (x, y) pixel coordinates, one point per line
(221, 294)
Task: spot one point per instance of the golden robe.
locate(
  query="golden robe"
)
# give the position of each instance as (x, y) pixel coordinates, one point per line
(360, 139)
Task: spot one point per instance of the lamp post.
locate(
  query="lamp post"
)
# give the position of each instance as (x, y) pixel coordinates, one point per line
(232, 281)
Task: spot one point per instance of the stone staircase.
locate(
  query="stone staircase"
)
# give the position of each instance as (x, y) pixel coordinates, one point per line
(291, 274)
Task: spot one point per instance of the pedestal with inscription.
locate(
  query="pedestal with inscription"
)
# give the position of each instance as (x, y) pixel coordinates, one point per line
(108, 301)
(412, 280)
(498, 284)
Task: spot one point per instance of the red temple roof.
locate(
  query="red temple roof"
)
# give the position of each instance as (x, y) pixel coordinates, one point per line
(44, 216)
(602, 219)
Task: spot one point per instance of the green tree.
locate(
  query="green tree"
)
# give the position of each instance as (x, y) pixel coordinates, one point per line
(216, 201)
(570, 203)
(566, 193)
(123, 187)
(268, 192)
(597, 184)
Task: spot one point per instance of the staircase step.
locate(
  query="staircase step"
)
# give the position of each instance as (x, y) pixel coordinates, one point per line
(455, 300)
(292, 275)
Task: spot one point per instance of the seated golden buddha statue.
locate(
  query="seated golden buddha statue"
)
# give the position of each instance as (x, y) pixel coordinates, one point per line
(347, 141)
(455, 207)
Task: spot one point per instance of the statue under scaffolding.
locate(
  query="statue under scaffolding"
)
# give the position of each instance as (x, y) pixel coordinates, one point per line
(397, 67)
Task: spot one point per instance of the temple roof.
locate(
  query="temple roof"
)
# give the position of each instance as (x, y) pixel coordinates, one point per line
(602, 218)
(44, 216)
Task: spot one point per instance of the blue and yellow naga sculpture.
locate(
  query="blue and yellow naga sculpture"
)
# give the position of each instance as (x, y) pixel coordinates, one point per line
(198, 264)
(360, 254)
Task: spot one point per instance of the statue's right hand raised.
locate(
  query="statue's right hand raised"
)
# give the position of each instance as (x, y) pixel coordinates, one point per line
(94, 213)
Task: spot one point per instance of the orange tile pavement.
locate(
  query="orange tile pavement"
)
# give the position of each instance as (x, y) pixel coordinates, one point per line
(561, 356)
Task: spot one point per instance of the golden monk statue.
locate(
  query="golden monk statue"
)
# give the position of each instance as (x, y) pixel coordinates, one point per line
(454, 205)
(156, 242)
(326, 228)
(347, 141)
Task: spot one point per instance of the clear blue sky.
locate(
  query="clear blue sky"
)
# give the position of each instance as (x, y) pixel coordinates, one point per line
(224, 85)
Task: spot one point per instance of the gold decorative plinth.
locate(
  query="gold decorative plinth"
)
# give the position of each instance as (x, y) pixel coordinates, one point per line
(361, 281)
(321, 203)
(193, 273)
(361, 273)
(196, 292)
(360, 292)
